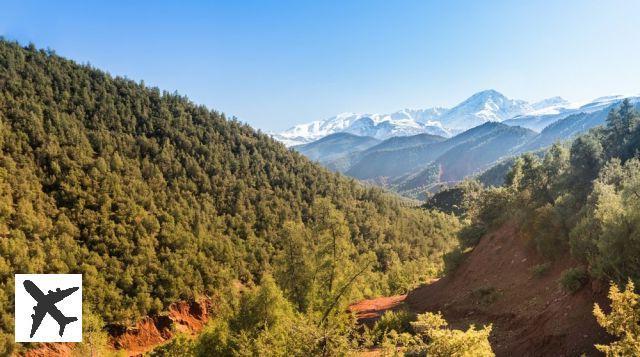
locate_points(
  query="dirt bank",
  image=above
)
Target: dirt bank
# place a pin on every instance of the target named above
(181, 317)
(531, 315)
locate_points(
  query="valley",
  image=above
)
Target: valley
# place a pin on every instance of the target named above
(197, 235)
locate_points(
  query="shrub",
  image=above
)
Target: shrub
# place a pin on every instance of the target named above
(398, 321)
(442, 341)
(452, 260)
(180, 345)
(485, 295)
(470, 235)
(621, 322)
(573, 279)
(492, 206)
(540, 270)
(546, 225)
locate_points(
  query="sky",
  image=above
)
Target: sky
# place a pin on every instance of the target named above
(274, 64)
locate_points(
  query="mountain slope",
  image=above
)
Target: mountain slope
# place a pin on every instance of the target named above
(455, 158)
(571, 126)
(344, 156)
(393, 163)
(406, 164)
(155, 199)
(530, 315)
(334, 146)
(480, 152)
(402, 142)
(380, 126)
(540, 119)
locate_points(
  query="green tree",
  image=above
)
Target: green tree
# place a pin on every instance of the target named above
(587, 157)
(295, 271)
(605, 236)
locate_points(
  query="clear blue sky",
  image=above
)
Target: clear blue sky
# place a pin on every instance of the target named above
(277, 63)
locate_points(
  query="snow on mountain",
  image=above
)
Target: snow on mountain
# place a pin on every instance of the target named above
(541, 118)
(488, 105)
(380, 126)
(482, 107)
(550, 103)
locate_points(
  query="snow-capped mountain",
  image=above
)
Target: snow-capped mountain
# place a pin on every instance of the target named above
(482, 107)
(380, 126)
(559, 109)
(550, 103)
(488, 105)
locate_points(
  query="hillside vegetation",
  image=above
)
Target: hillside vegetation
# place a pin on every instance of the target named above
(155, 199)
(580, 199)
(578, 206)
(534, 263)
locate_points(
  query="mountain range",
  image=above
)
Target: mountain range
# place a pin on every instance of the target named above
(405, 122)
(414, 164)
(484, 106)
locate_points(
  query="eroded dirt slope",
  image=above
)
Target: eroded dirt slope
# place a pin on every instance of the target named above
(531, 316)
(149, 332)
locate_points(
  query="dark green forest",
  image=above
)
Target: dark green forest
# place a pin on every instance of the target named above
(155, 199)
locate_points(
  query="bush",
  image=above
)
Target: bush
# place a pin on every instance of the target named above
(546, 225)
(540, 270)
(493, 204)
(442, 341)
(452, 260)
(180, 345)
(433, 338)
(621, 322)
(573, 279)
(398, 321)
(470, 235)
(485, 295)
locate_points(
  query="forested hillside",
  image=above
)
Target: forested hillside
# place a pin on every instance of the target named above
(155, 199)
(534, 264)
(580, 198)
(576, 205)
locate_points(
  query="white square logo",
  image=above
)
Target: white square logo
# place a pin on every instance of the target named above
(48, 308)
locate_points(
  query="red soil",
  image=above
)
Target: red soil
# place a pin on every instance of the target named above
(368, 311)
(531, 316)
(182, 317)
(51, 349)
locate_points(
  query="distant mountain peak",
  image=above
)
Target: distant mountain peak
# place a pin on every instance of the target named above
(405, 122)
(485, 106)
(487, 93)
(550, 102)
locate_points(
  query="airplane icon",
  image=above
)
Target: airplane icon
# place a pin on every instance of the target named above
(47, 304)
